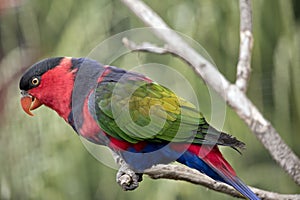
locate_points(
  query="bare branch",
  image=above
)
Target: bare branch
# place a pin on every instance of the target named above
(234, 97)
(179, 172)
(150, 48)
(146, 47)
(129, 180)
(245, 16)
(246, 44)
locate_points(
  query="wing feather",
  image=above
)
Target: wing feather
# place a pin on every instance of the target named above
(135, 109)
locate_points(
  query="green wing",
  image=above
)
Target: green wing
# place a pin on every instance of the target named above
(134, 109)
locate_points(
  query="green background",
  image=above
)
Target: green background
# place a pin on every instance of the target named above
(42, 158)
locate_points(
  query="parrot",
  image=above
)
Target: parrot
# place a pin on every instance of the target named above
(142, 121)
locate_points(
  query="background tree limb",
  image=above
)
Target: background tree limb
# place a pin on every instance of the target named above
(246, 43)
(232, 94)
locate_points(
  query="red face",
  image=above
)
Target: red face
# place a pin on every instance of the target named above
(52, 88)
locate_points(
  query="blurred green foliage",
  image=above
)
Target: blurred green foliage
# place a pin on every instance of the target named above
(42, 158)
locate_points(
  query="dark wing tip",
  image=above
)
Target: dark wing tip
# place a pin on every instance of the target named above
(229, 140)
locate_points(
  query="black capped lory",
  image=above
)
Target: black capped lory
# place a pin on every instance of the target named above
(142, 121)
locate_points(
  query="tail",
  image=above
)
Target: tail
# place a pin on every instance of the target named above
(209, 160)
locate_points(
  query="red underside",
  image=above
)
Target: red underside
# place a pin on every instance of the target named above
(212, 156)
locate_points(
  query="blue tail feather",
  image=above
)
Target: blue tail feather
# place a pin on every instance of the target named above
(193, 161)
(141, 160)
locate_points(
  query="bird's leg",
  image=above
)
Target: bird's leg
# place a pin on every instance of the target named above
(126, 177)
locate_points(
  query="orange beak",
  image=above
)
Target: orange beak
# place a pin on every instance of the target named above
(30, 103)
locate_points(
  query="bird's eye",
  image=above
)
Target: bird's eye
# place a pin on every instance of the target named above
(35, 81)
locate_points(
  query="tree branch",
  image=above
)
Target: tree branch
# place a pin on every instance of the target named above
(246, 44)
(129, 180)
(232, 94)
(179, 172)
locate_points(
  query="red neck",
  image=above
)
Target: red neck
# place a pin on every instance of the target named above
(55, 90)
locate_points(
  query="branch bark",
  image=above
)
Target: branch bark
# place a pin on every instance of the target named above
(129, 180)
(246, 44)
(232, 94)
(178, 172)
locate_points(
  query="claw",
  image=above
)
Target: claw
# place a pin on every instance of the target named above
(128, 179)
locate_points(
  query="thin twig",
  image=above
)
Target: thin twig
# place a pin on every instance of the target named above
(234, 97)
(246, 44)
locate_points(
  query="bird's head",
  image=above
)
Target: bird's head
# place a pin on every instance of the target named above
(49, 82)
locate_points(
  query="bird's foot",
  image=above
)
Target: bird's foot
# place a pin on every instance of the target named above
(128, 179)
